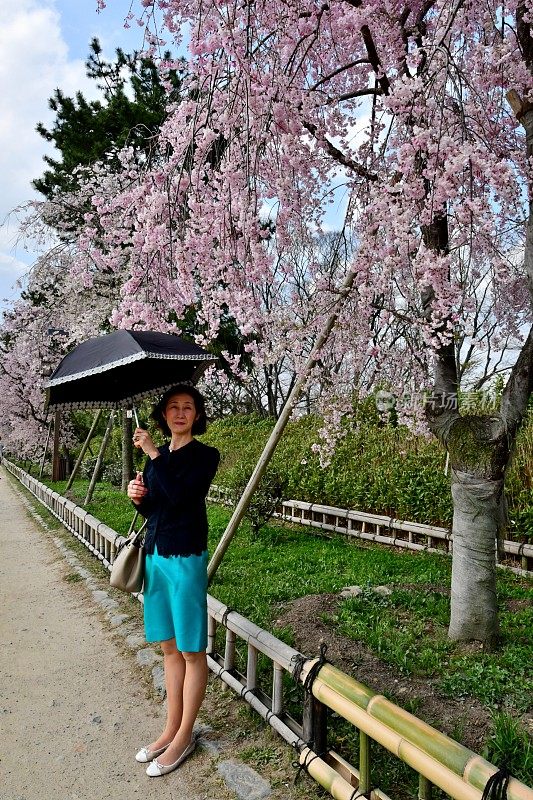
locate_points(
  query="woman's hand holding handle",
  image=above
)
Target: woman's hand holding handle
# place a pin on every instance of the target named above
(136, 488)
(143, 440)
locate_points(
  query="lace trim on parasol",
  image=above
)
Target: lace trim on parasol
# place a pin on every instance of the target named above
(118, 404)
(127, 360)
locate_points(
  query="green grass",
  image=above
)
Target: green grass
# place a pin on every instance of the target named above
(406, 629)
(283, 563)
(108, 503)
(509, 744)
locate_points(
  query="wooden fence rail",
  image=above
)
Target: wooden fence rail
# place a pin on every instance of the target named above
(438, 760)
(382, 529)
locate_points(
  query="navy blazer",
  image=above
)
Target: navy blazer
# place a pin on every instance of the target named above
(178, 483)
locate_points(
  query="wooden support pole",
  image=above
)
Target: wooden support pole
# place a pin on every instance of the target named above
(84, 449)
(251, 668)
(275, 436)
(315, 723)
(103, 446)
(277, 689)
(229, 651)
(211, 635)
(127, 449)
(55, 453)
(43, 459)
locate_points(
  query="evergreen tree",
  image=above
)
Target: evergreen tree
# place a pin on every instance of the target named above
(133, 106)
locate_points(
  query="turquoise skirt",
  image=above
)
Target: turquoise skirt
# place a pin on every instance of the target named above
(175, 600)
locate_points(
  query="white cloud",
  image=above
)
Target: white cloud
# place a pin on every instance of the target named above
(11, 270)
(34, 61)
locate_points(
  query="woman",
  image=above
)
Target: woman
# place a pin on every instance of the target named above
(171, 495)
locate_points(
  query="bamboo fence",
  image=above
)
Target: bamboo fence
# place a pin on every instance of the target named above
(439, 760)
(382, 529)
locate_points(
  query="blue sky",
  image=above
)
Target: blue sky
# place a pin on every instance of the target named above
(43, 45)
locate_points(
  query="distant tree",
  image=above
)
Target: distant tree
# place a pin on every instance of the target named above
(133, 106)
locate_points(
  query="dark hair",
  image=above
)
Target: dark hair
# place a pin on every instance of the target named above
(199, 425)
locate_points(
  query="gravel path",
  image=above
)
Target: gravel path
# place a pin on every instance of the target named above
(72, 711)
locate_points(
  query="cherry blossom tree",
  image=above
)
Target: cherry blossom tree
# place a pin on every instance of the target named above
(397, 116)
(53, 314)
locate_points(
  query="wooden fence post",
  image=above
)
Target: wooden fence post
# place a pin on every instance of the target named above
(55, 452)
(47, 442)
(314, 724)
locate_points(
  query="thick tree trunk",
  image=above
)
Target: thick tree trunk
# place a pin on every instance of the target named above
(477, 507)
(127, 450)
(479, 453)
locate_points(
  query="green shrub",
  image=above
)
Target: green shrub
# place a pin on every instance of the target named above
(381, 469)
(266, 498)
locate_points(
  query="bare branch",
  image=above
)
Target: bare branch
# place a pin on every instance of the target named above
(519, 388)
(338, 155)
(360, 93)
(372, 51)
(335, 72)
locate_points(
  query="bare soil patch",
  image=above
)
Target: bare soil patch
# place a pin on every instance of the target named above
(465, 719)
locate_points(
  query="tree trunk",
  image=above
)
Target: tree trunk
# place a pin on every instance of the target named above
(127, 450)
(477, 507)
(479, 452)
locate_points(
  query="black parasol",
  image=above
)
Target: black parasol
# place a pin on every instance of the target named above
(117, 370)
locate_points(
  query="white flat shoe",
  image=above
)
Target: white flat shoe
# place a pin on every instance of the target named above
(155, 769)
(145, 755)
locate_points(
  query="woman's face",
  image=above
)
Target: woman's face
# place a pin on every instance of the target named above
(180, 414)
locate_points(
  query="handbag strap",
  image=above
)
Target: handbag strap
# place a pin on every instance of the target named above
(140, 531)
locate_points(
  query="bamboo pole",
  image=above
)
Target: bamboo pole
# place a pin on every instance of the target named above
(275, 436)
(439, 774)
(103, 446)
(327, 777)
(364, 763)
(83, 449)
(441, 760)
(424, 788)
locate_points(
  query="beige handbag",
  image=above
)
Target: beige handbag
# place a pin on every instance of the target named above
(127, 570)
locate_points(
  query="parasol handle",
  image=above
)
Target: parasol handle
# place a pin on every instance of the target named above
(136, 417)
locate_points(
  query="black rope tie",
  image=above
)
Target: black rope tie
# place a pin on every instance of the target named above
(315, 669)
(245, 691)
(356, 794)
(299, 661)
(224, 620)
(300, 766)
(496, 786)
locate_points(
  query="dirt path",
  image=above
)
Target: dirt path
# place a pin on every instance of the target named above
(71, 710)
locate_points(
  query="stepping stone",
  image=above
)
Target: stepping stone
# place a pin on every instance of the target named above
(147, 657)
(243, 780)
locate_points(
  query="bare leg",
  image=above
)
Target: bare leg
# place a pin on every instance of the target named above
(174, 665)
(194, 687)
